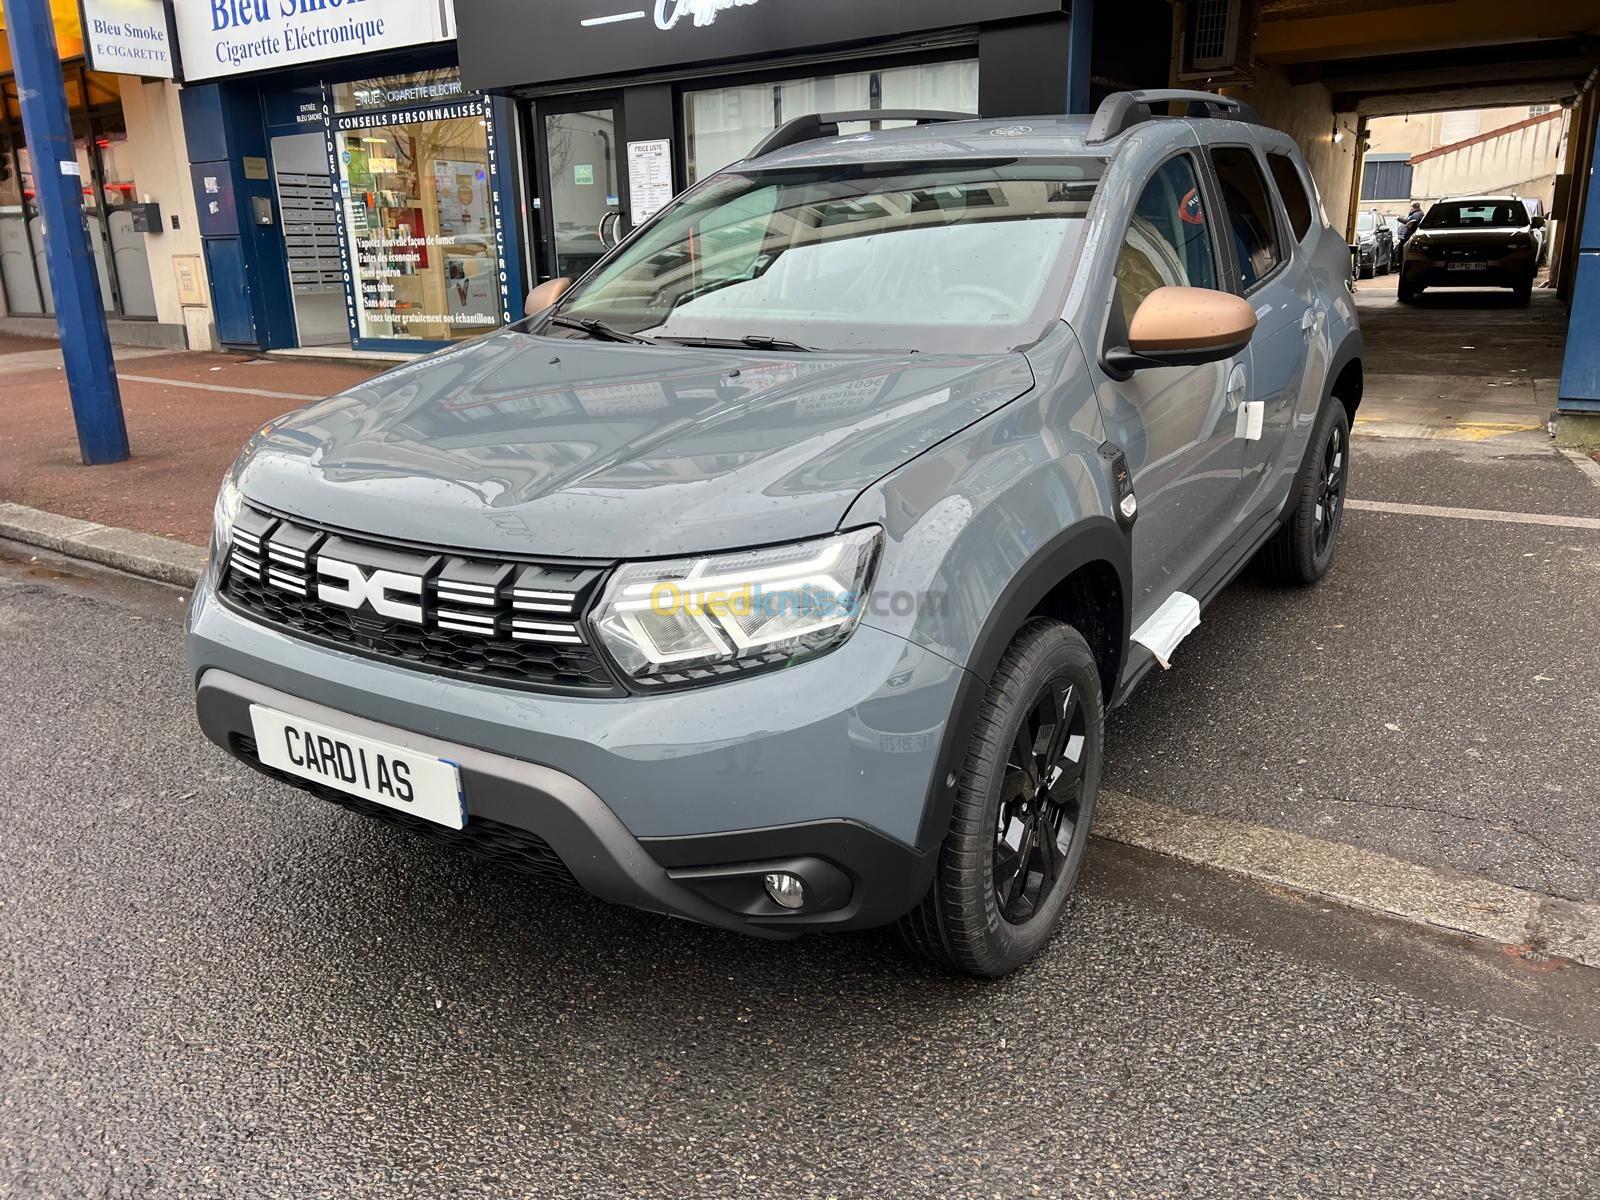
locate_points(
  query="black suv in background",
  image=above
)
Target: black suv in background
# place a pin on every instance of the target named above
(1473, 241)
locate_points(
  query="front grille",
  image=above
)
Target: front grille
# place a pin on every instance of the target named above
(504, 845)
(514, 623)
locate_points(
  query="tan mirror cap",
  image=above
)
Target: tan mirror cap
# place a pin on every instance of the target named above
(1188, 318)
(546, 294)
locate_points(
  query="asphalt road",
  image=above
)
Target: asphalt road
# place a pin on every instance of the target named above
(1433, 697)
(211, 985)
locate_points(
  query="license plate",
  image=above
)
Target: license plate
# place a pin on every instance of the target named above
(1469, 266)
(385, 774)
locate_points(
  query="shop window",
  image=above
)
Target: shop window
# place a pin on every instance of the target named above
(420, 219)
(17, 265)
(725, 124)
(116, 165)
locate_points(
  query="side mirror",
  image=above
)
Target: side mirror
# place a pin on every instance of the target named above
(1183, 327)
(546, 294)
(1537, 222)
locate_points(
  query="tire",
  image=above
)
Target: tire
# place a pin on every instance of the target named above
(1407, 293)
(1524, 293)
(1366, 272)
(1302, 551)
(982, 916)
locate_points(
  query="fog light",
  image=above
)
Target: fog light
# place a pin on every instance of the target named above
(786, 890)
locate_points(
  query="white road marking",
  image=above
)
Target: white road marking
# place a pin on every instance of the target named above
(216, 387)
(1475, 514)
(1360, 878)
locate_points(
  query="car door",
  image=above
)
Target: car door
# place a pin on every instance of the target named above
(1274, 278)
(1175, 424)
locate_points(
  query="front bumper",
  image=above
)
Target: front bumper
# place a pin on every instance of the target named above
(1507, 271)
(676, 803)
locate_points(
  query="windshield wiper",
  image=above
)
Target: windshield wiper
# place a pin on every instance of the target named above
(600, 331)
(754, 341)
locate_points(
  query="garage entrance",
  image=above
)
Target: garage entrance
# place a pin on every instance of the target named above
(1329, 71)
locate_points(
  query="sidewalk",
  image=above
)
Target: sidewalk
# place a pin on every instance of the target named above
(188, 414)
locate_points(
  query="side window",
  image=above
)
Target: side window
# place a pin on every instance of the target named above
(1293, 190)
(1168, 243)
(1244, 194)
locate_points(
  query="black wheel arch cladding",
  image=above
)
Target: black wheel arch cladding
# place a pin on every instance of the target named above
(1094, 541)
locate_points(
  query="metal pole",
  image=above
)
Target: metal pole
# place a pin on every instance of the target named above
(58, 191)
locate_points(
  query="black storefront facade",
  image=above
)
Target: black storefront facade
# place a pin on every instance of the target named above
(622, 103)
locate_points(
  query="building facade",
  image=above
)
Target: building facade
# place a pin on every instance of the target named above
(138, 208)
(620, 106)
(349, 188)
(1426, 156)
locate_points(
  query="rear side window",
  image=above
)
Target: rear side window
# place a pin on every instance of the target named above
(1168, 243)
(1244, 194)
(1293, 190)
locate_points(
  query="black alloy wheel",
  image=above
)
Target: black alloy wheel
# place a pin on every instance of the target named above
(1040, 823)
(1303, 549)
(1330, 489)
(1023, 807)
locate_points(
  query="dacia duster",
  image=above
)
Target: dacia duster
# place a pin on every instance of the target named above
(779, 573)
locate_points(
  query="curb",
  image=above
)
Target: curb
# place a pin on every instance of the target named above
(1358, 878)
(1583, 462)
(144, 554)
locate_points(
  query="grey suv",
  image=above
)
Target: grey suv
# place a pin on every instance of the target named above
(779, 574)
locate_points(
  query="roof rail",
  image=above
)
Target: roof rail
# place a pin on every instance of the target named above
(826, 125)
(1121, 111)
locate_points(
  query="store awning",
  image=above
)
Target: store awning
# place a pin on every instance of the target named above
(69, 32)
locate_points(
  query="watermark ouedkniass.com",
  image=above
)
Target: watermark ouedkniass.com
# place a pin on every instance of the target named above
(753, 600)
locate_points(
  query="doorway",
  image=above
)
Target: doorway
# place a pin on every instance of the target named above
(583, 208)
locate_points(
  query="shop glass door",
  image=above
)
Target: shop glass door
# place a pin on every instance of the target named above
(583, 211)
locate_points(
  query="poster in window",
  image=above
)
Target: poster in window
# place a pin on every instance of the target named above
(462, 189)
(469, 285)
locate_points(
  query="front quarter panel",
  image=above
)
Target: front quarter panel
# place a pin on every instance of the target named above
(986, 508)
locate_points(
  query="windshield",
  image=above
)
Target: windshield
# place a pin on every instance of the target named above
(967, 258)
(1476, 214)
(1366, 222)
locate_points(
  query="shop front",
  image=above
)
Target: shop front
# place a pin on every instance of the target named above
(348, 185)
(622, 105)
(127, 161)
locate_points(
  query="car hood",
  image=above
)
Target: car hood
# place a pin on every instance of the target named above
(521, 444)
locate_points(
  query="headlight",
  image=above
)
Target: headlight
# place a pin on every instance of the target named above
(700, 618)
(223, 515)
